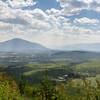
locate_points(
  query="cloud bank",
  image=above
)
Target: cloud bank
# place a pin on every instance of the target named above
(52, 27)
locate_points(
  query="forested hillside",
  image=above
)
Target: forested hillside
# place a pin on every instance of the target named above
(9, 90)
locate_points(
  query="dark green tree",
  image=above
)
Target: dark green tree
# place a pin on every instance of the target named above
(21, 85)
(48, 91)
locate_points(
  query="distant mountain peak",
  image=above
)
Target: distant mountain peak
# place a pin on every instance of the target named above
(22, 46)
(18, 39)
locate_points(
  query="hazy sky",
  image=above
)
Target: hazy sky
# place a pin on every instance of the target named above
(53, 23)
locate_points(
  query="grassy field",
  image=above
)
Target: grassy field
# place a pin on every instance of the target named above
(88, 67)
(42, 67)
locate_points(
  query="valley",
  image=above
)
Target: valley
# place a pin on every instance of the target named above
(32, 72)
(75, 64)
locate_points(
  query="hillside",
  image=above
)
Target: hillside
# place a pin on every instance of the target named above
(92, 67)
(75, 56)
(22, 46)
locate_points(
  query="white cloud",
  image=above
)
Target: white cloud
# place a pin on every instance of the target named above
(53, 11)
(86, 20)
(71, 7)
(28, 18)
(20, 3)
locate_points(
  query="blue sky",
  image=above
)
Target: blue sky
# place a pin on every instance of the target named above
(53, 23)
(47, 4)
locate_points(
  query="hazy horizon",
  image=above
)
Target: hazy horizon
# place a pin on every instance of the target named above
(94, 47)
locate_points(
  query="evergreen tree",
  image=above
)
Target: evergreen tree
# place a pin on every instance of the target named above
(21, 85)
(48, 91)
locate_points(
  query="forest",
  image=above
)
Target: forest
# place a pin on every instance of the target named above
(10, 90)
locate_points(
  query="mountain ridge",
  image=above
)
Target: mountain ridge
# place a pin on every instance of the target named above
(19, 45)
(22, 46)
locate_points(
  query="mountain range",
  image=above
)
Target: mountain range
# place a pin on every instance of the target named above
(94, 47)
(23, 46)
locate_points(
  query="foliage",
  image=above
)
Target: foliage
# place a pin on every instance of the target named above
(8, 89)
(21, 86)
(48, 91)
(64, 91)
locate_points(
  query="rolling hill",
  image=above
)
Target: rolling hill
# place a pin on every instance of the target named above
(92, 67)
(75, 56)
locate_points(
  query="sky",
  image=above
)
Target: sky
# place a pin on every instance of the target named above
(52, 23)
